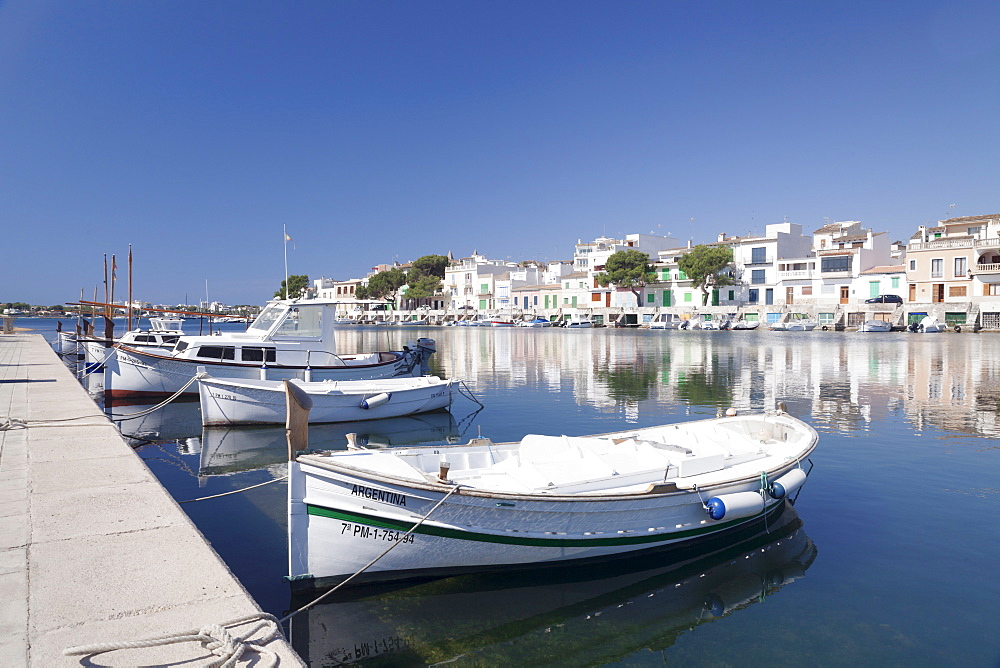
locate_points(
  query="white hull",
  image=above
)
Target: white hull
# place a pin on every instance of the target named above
(513, 508)
(745, 325)
(875, 326)
(226, 401)
(135, 374)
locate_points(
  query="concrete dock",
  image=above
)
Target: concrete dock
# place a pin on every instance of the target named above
(92, 548)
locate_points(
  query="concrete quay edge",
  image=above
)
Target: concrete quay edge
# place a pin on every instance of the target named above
(93, 549)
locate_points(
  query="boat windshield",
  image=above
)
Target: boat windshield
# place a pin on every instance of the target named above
(267, 318)
(302, 321)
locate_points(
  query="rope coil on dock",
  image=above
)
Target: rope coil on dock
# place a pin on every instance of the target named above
(216, 638)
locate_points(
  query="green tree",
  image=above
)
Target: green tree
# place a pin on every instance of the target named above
(297, 283)
(383, 285)
(628, 269)
(423, 287)
(428, 265)
(704, 267)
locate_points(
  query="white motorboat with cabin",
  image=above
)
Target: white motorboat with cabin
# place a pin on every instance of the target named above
(665, 321)
(577, 321)
(742, 325)
(542, 501)
(928, 325)
(236, 401)
(289, 339)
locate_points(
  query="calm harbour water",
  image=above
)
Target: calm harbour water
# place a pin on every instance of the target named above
(890, 560)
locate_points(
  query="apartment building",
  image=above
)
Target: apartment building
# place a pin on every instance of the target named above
(956, 261)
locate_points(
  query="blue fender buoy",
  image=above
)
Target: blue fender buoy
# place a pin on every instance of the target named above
(787, 484)
(734, 506)
(375, 400)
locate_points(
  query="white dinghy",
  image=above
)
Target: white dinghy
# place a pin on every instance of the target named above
(543, 501)
(234, 401)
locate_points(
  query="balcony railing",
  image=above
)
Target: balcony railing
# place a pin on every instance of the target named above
(993, 242)
(985, 269)
(800, 273)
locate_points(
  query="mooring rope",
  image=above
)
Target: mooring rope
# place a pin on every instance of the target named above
(216, 638)
(100, 365)
(372, 562)
(235, 491)
(129, 416)
(7, 423)
(468, 393)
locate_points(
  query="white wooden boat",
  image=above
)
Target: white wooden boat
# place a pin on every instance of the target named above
(535, 322)
(289, 339)
(745, 325)
(162, 335)
(235, 401)
(875, 326)
(542, 501)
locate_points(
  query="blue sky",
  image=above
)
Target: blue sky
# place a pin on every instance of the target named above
(378, 131)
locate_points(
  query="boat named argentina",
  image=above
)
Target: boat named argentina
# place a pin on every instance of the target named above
(541, 501)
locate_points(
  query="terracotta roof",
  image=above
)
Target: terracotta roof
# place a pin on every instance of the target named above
(832, 227)
(890, 269)
(852, 237)
(575, 274)
(964, 219)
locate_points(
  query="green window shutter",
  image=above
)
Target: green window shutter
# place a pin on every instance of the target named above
(650, 298)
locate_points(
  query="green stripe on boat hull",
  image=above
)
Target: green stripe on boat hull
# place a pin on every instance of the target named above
(513, 539)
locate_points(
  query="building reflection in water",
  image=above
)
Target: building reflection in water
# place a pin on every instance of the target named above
(845, 381)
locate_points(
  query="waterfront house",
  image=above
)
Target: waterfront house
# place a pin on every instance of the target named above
(470, 282)
(757, 262)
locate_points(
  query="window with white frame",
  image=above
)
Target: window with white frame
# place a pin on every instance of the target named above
(937, 268)
(960, 266)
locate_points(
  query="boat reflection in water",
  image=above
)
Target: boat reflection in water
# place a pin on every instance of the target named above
(177, 421)
(564, 615)
(224, 451)
(235, 449)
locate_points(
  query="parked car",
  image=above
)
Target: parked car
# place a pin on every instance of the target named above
(885, 299)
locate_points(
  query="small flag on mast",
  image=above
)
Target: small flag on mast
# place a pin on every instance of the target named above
(287, 238)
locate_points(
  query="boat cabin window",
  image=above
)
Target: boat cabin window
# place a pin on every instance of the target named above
(217, 352)
(144, 338)
(302, 321)
(256, 354)
(271, 314)
(181, 345)
(171, 339)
